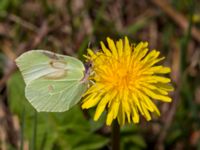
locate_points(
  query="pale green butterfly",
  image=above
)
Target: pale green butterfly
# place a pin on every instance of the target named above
(54, 82)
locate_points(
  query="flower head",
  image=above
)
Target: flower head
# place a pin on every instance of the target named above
(125, 81)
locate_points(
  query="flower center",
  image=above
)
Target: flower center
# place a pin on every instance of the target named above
(122, 76)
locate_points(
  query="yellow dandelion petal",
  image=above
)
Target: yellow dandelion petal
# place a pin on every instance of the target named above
(160, 69)
(138, 48)
(165, 87)
(127, 48)
(102, 104)
(121, 116)
(155, 79)
(151, 62)
(125, 81)
(100, 108)
(146, 113)
(141, 54)
(91, 53)
(154, 87)
(112, 47)
(93, 89)
(156, 96)
(120, 47)
(137, 102)
(113, 112)
(91, 101)
(152, 55)
(105, 50)
(135, 115)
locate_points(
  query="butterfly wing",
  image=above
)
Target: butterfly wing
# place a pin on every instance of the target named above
(37, 63)
(53, 81)
(54, 96)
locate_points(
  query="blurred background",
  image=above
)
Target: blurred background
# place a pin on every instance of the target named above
(70, 27)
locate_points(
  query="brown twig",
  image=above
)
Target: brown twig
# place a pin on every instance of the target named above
(22, 22)
(42, 32)
(177, 17)
(168, 120)
(11, 134)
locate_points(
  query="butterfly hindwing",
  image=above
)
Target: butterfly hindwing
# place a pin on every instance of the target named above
(54, 96)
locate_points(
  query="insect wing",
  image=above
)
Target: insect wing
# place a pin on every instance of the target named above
(53, 81)
(38, 63)
(54, 96)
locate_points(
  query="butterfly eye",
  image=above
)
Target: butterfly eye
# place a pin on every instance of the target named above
(90, 64)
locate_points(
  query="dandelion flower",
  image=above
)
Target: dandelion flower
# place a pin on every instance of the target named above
(125, 81)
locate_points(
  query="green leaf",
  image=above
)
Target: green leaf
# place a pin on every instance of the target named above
(131, 139)
(16, 95)
(87, 141)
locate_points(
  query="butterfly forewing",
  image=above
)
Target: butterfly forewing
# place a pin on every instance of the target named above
(37, 63)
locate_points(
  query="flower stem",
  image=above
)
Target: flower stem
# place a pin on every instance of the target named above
(115, 141)
(34, 131)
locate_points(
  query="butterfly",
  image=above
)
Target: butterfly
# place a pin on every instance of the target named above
(54, 82)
